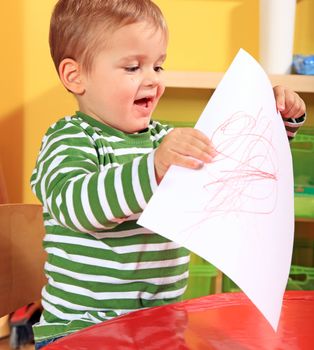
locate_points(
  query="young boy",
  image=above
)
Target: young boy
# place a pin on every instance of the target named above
(97, 169)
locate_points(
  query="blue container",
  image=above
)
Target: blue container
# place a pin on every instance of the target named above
(303, 64)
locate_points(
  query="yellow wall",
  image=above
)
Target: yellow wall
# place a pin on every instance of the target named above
(12, 95)
(205, 35)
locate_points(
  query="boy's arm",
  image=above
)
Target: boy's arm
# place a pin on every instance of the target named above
(83, 196)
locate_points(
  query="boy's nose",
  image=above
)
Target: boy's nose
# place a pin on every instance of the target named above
(151, 78)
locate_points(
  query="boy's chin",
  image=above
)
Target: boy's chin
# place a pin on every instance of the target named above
(142, 125)
(133, 129)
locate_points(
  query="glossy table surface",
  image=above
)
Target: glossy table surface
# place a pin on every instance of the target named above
(219, 321)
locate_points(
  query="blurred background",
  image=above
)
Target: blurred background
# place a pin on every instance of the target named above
(205, 35)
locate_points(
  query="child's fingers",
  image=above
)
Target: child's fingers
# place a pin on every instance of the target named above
(295, 106)
(197, 134)
(186, 161)
(279, 92)
(187, 134)
(291, 104)
(163, 160)
(185, 147)
(301, 111)
(190, 149)
(195, 148)
(188, 140)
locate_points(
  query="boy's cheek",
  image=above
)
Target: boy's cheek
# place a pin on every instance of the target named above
(160, 91)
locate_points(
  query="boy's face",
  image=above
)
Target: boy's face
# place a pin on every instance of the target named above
(125, 83)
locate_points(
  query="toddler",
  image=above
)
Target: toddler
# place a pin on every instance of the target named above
(98, 168)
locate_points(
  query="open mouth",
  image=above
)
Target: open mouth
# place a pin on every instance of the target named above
(144, 102)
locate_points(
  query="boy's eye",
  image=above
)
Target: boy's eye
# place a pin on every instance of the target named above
(158, 69)
(132, 69)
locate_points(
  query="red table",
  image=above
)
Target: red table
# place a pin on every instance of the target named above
(220, 321)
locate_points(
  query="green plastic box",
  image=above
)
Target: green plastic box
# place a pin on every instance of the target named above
(228, 286)
(303, 252)
(202, 277)
(301, 278)
(302, 148)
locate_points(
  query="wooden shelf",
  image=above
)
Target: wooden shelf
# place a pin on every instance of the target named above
(306, 220)
(304, 228)
(193, 80)
(210, 80)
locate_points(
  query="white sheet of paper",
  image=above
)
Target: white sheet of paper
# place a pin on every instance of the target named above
(236, 212)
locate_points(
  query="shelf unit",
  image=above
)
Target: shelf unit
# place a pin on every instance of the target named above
(210, 80)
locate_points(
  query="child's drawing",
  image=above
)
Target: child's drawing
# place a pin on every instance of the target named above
(237, 211)
(245, 141)
(247, 182)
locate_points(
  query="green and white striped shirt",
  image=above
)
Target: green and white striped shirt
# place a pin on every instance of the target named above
(93, 182)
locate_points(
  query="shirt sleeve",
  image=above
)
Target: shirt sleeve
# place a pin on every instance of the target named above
(293, 124)
(78, 195)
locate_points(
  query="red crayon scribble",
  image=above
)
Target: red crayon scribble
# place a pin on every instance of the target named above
(248, 182)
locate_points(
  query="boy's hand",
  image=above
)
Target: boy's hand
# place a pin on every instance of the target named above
(289, 103)
(186, 147)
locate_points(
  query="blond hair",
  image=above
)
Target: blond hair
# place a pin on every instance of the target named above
(77, 27)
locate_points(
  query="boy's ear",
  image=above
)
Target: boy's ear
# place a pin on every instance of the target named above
(70, 75)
